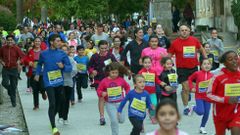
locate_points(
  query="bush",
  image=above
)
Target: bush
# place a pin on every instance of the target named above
(7, 21)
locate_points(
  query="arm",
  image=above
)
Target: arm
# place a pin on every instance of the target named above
(124, 53)
(101, 89)
(148, 102)
(190, 80)
(124, 101)
(202, 50)
(39, 65)
(67, 64)
(126, 86)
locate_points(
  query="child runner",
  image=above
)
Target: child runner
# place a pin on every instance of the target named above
(139, 100)
(150, 84)
(167, 116)
(113, 89)
(206, 46)
(169, 76)
(222, 92)
(202, 79)
(97, 64)
(82, 75)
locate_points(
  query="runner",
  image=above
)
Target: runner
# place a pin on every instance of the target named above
(54, 62)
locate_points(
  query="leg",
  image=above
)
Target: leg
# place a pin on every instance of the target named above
(35, 88)
(13, 87)
(185, 93)
(153, 98)
(67, 100)
(220, 127)
(101, 106)
(52, 105)
(137, 125)
(207, 107)
(158, 93)
(73, 90)
(79, 86)
(112, 113)
(199, 108)
(6, 80)
(235, 131)
(60, 98)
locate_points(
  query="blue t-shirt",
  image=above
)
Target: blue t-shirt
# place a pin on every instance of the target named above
(82, 63)
(138, 102)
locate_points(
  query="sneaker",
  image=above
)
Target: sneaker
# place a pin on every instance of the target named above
(65, 122)
(35, 108)
(102, 121)
(185, 111)
(72, 103)
(60, 121)
(202, 130)
(55, 131)
(190, 112)
(29, 90)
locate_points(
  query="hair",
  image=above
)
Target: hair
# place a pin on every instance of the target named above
(136, 77)
(204, 44)
(80, 47)
(165, 102)
(10, 36)
(213, 29)
(223, 57)
(152, 36)
(117, 66)
(37, 38)
(146, 57)
(102, 42)
(64, 45)
(201, 62)
(184, 24)
(165, 59)
(136, 31)
(100, 25)
(52, 38)
(71, 46)
(116, 37)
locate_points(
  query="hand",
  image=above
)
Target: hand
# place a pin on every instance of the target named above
(3, 63)
(163, 83)
(94, 72)
(233, 100)
(60, 65)
(193, 90)
(36, 78)
(31, 64)
(140, 61)
(104, 94)
(118, 115)
(168, 88)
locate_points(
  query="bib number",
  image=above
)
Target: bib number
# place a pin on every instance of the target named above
(81, 67)
(173, 80)
(149, 79)
(232, 89)
(203, 86)
(138, 107)
(55, 76)
(107, 62)
(189, 51)
(114, 93)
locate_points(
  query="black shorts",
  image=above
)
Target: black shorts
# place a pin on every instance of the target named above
(184, 73)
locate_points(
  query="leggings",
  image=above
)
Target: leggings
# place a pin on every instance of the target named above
(64, 107)
(137, 125)
(55, 98)
(202, 108)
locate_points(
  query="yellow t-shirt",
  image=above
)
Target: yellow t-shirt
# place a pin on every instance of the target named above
(90, 52)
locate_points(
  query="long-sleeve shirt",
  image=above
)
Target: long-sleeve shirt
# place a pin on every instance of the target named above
(82, 63)
(69, 75)
(135, 52)
(202, 79)
(217, 47)
(138, 102)
(156, 56)
(170, 78)
(99, 63)
(219, 92)
(151, 79)
(116, 89)
(10, 55)
(52, 74)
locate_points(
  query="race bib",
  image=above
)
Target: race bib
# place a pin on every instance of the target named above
(81, 67)
(203, 86)
(189, 51)
(232, 89)
(55, 76)
(138, 107)
(96, 42)
(173, 80)
(107, 62)
(114, 93)
(149, 79)
(35, 64)
(216, 54)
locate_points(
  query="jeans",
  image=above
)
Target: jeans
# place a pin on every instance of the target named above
(55, 98)
(112, 113)
(137, 125)
(202, 108)
(10, 82)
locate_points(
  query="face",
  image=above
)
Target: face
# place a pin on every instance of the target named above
(140, 83)
(71, 36)
(37, 42)
(113, 74)
(58, 28)
(167, 117)
(89, 44)
(56, 43)
(103, 48)
(65, 49)
(72, 50)
(147, 63)
(117, 42)
(153, 43)
(231, 62)
(139, 34)
(214, 34)
(206, 65)
(81, 52)
(168, 65)
(207, 48)
(100, 29)
(150, 31)
(184, 32)
(10, 41)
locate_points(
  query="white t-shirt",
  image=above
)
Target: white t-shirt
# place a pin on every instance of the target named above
(179, 132)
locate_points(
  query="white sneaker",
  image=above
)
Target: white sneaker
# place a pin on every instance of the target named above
(202, 130)
(190, 112)
(60, 121)
(65, 122)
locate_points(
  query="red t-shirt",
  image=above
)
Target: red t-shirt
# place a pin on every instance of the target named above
(185, 51)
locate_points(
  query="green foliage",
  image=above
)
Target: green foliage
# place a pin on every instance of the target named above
(8, 21)
(235, 9)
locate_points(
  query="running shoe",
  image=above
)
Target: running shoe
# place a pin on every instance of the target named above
(202, 130)
(55, 131)
(185, 111)
(190, 112)
(102, 121)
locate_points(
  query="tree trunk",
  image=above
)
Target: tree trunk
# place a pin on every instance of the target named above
(19, 4)
(44, 14)
(238, 34)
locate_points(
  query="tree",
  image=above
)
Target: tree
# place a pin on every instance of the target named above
(235, 9)
(19, 4)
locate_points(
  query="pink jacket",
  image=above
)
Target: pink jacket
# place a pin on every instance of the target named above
(156, 56)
